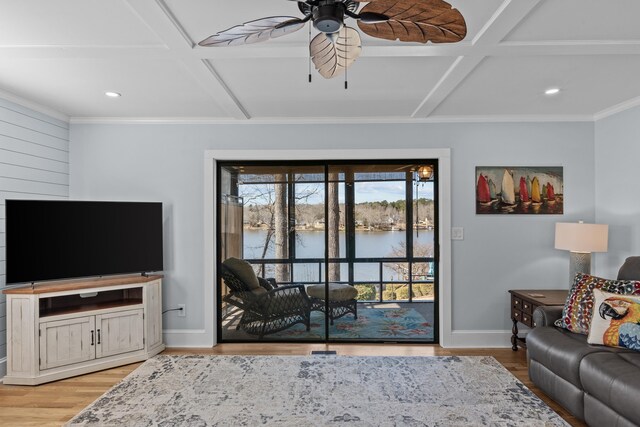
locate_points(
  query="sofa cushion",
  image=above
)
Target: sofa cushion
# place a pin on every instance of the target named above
(557, 388)
(600, 414)
(614, 380)
(243, 271)
(616, 320)
(578, 309)
(630, 270)
(561, 351)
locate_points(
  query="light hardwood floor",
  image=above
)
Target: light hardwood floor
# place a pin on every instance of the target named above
(55, 403)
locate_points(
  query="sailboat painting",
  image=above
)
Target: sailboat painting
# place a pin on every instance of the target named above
(534, 190)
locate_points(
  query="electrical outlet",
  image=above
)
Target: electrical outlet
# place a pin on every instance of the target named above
(183, 312)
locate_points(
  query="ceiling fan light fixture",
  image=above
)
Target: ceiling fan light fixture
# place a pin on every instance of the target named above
(328, 18)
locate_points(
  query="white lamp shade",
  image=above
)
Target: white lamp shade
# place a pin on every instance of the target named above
(580, 237)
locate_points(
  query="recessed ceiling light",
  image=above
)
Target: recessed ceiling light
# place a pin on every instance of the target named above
(552, 91)
(113, 94)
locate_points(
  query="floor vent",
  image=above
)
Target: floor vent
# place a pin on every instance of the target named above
(323, 353)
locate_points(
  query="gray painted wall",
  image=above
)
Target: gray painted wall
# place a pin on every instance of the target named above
(34, 164)
(617, 154)
(164, 162)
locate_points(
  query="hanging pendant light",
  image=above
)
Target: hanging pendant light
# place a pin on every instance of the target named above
(425, 173)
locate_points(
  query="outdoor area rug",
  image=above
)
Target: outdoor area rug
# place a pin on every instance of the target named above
(299, 391)
(372, 323)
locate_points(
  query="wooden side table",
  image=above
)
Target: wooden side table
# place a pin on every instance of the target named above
(524, 302)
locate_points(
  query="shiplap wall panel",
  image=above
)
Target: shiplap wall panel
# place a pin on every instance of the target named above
(35, 115)
(19, 119)
(34, 164)
(19, 146)
(23, 172)
(33, 187)
(32, 137)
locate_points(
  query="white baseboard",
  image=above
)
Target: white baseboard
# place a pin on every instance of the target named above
(198, 338)
(194, 338)
(480, 339)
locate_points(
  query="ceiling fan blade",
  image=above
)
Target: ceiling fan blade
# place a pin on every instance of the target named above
(368, 17)
(293, 22)
(331, 59)
(373, 18)
(415, 21)
(253, 32)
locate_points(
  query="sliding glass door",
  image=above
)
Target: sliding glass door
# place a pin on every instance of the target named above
(349, 250)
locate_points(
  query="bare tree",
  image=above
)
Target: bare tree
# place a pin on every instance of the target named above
(281, 223)
(420, 250)
(333, 226)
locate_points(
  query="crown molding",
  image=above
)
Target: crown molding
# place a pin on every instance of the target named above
(618, 108)
(332, 120)
(34, 106)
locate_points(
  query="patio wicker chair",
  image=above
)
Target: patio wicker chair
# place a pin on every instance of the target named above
(267, 308)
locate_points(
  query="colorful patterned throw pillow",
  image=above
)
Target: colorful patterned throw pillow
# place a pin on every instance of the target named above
(616, 321)
(578, 309)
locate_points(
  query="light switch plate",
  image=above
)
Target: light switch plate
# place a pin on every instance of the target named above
(457, 233)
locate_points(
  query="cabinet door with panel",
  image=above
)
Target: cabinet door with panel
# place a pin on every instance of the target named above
(119, 332)
(64, 342)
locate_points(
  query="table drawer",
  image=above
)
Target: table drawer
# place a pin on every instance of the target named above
(527, 307)
(516, 303)
(524, 318)
(516, 314)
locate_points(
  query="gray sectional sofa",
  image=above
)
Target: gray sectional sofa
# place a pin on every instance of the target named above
(597, 384)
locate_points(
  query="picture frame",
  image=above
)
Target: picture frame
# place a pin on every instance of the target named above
(519, 190)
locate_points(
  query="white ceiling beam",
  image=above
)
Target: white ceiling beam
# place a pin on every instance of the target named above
(85, 52)
(266, 50)
(568, 47)
(506, 18)
(161, 21)
(151, 52)
(571, 47)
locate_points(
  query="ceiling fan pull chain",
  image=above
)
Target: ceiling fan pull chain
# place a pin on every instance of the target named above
(346, 64)
(309, 53)
(346, 83)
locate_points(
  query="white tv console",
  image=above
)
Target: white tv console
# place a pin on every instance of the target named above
(64, 329)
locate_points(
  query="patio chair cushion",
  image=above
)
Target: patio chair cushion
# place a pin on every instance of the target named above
(337, 292)
(266, 284)
(243, 271)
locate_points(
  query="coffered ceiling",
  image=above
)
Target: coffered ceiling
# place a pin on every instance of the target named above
(65, 54)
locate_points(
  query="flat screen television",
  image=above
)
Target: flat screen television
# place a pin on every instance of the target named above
(51, 239)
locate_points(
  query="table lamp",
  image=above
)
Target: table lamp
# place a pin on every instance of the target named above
(580, 240)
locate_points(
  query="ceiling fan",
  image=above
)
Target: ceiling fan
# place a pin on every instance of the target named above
(337, 45)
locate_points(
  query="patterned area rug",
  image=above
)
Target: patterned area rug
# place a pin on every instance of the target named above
(372, 323)
(318, 391)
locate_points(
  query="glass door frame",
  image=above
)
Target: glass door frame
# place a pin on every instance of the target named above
(349, 239)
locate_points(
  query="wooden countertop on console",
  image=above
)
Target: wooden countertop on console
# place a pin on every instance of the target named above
(80, 284)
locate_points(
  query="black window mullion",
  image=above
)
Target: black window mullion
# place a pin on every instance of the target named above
(350, 221)
(291, 216)
(409, 229)
(326, 252)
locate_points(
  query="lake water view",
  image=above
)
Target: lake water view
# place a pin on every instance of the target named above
(310, 244)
